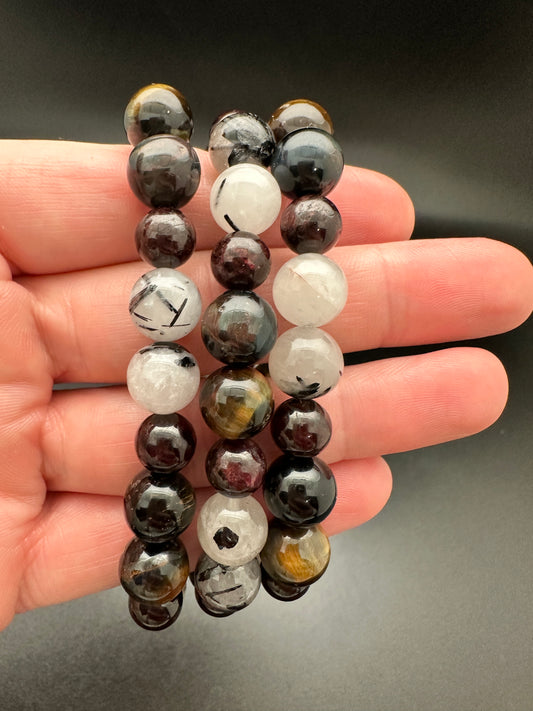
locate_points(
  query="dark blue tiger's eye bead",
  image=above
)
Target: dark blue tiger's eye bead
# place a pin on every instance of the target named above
(157, 109)
(240, 137)
(240, 261)
(301, 427)
(299, 113)
(155, 617)
(154, 573)
(165, 238)
(310, 224)
(165, 443)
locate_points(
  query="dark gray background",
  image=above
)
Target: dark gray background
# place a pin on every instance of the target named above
(428, 606)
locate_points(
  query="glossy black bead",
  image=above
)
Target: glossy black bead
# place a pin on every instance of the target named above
(307, 162)
(154, 573)
(310, 224)
(301, 427)
(165, 443)
(165, 238)
(300, 491)
(240, 261)
(240, 137)
(155, 617)
(235, 467)
(282, 591)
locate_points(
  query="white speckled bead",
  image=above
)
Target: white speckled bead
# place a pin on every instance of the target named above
(165, 305)
(245, 197)
(163, 378)
(306, 362)
(231, 530)
(310, 290)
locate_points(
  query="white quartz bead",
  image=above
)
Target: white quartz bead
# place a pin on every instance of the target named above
(245, 197)
(310, 290)
(165, 305)
(305, 362)
(232, 530)
(163, 378)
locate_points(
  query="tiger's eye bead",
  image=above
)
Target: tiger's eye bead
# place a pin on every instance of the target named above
(164, 171)
(235, 467)
(295, 556)
(240, 137)
(310, 224)
(155, 617)
(154, 573)
(225, 589)
(307, 162)
(282, 591)
(240, 261)
(165, 443)
(236, 402)
(299, 113)
(165, 238)
(301, 427)
(239, 327)
(156, 109)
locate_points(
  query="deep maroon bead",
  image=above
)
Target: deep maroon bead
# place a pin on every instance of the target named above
(240, 261)
(310, 224)
(301, 427)
(235, 467)
(165, 238)
(165, 442)
(155, 617)
(154, 573)
(282, 591)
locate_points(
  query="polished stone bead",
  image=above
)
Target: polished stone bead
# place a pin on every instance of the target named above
(295, 556)
(225, 589)
(301, 427)
(240, 137)
(163, 377)
(300, 491)
(310, 290)
(164, 171)
(151, 572)
(310, 224)
(155, 617)
(239, 327)
(157, 109)
(165, 238)
(236, 402)
(159, 509)
(282, 591)
(208, 609)
(165, 305)
(307, 162)
(235, 467)
(232, 531)
(306, 362)
(165, 443)
(245, 197)
(240, 261)
(299, 113)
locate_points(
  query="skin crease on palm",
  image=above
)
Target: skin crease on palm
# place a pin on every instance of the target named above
(67, 219)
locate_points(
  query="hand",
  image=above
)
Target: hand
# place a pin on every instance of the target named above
(67, 264)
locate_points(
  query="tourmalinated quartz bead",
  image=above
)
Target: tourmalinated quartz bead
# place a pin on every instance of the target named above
(163, 377)
(282, 591)
(310, 224)
(155, 617)
(232, 531)
(165, 443)
(165, 305)
(156, 109)
(295, 556)
(300, 491)
(165, 238)
(310, 290)
(225, 589)
(240, 137)
(301, 427)
(239, 327)
(236, 402)
(235, 467)
(164, 171)
(307, 162)
(240, 261)
(299, 113)
(159, 510)
(306, 362)
(154, 573)
(245, 197)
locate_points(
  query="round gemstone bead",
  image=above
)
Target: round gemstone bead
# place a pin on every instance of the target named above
(235, 467)
(165, 305)
(310, 290)
(301, 427)
(299, 113)
(245, 197)
(156, 109)
(240, 261)
(239, 327)
(310, 224)
(305, 362)
(163, 377)
(282, 591)
(295, 556)
(152, 572)
(164, 171)
(165, 443)
(165, 238)
(232, 531)
(225, 589)
(236, 402)
(240, 137)
(300, 491)
(155, 617)
(158, 510)
(307, 162)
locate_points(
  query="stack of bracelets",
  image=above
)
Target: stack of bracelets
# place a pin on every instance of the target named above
(239, 328)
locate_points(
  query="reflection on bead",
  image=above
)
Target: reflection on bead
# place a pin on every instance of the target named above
(295, 556)
(240, 137)
(226, 589)
(154, 572)
(299, 113)
(157, 109)
(165, 238)
(155, 617)
(208, 609)
(310, 224)
(301, 427)
(282, 591)
(235, 467)
(165, 442)
(240, 261)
